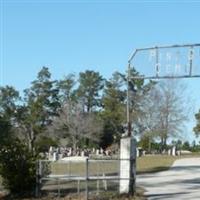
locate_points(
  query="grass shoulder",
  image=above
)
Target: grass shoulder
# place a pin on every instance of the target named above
(156, 163)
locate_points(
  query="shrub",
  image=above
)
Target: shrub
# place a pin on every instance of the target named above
(43, 144)
(17, 167)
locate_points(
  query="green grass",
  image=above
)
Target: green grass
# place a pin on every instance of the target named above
(79, 169)
(145, 164)
(156, 163)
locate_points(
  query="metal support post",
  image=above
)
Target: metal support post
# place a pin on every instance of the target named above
(86, 179)
(128, 102)
(38, 178)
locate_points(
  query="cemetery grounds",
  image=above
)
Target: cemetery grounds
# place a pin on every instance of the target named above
(145, 164)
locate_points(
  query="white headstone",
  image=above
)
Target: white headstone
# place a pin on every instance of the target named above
(50, 149)
(55, 156)
(50, 157)
(82, 153)
(173, 151)
(169, 152)
(101, 151)
(70, 151)
(93, 150)
(137, 152)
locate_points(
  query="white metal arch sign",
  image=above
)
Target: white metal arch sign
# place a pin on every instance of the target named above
(163, 62)
(175, 61)
(160, 62)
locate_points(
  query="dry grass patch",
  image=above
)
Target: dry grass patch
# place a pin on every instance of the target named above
(156, 163)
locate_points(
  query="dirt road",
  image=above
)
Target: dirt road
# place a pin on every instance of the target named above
(180, 182)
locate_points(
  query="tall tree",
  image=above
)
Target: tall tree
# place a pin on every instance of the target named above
(41, 106)
(113, 113)
(9, 98)
(166, 110)
(196, 129)
(5, 130)
(75, 125)
(173, 109)
(150, 119)
(66, 88)
(137, 91)
(90, 85)
(44, 93)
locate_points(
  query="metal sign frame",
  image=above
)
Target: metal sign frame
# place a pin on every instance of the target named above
(157, 48)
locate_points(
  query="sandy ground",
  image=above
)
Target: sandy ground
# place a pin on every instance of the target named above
(180, 182)
(74, 159)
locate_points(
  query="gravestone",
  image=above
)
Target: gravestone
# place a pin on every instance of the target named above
(174, 151)
(50, 149)
(70, 152)
(82, 153)
(50, 156)
(55, 156)
(101, 151)
(137, 152)
(93, 150)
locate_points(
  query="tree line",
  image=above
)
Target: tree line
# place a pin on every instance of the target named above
(87, 110)
(91, 110)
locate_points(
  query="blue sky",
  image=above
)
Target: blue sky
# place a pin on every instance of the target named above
(72, 36)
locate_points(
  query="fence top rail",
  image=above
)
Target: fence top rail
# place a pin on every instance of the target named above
(89, 160)
(83, 178)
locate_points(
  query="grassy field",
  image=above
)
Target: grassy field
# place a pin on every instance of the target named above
(145, 164)
(97, 167)
(157, 163)
(154, 163)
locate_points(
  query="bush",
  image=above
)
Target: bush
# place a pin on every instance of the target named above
(43, 144)
(17, 167)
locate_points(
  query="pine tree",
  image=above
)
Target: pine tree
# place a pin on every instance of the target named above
(90, 85)
(113, 113)
(41, 105)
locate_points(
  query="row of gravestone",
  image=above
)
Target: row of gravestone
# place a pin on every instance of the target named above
(171, 152)
(62, 152)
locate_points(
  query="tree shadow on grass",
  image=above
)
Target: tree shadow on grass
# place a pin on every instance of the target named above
(153, 170)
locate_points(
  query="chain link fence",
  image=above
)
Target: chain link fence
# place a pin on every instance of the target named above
(86, 178)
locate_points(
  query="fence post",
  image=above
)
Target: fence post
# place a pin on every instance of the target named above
(58, 181)
(98, 174)
(86, 179)
(105, 182)
(38, 177)
(78, 186)
(97, 187)
(127, 165)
